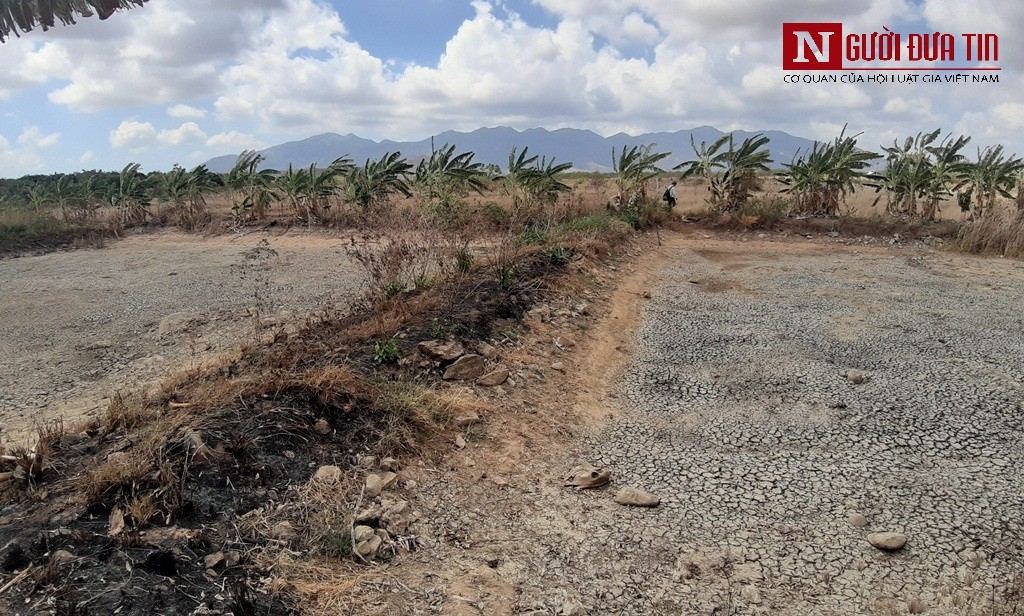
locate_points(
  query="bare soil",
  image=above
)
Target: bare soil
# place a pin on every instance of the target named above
(79, 325)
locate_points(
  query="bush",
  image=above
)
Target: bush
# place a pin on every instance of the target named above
(386, 351)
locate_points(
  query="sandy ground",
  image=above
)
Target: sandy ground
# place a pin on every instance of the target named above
(79, 325)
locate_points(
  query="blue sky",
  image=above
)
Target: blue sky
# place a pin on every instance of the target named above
(160, 87)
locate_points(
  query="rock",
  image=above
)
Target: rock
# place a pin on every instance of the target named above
(366, 461)
(201, 453)
(467, 420)
(288, 453)
(232, 558)
(565, 341)
(62, 559)
(636, 498)
(460, 441)
(177, 322)
(283, 531)
(71, 440)
(367, 541)
(559, 366)
(322, 427)
(441, 351)
(538, 314)
(396, 516)
(889, 542)
(588, 477)
(211, 561)
(390, 464)
(571, 607)
(857, 520)
(327, 474)
(855, 376)
(375, 484)
(494, 378)
(115, 523)
(487, 351)
(466, 368)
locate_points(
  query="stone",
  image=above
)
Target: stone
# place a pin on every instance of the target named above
(857, 520)
(177, 322)
(487, 350)
(283, 531)
(889, 542)
(856, 377)
(366, 460)
(559, 366)
(375, 484)
(71, 440)
(467, 420)
(390, 464)
(327, 475)
(211, 561)
(466, 368)
(460, 441)
(588, 477)
(441, 351)
(494, 378)
(634, 497)
(538, 314)
(367, 544)
(322, 427)
(61, 559)
(565, 341)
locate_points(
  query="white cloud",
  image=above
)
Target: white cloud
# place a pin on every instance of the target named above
(290, 68)
(34, 139)
(133, 135)
(233, 142)
(87, 157)
(25, 156)
(189, 132)
(186, 112)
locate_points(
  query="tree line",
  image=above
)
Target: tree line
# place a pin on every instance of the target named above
(914, 177)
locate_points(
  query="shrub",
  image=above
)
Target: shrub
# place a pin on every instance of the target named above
(386, 351)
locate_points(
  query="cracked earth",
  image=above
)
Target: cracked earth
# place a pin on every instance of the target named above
(784, 401)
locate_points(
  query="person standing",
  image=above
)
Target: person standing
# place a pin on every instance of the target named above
(670, 196)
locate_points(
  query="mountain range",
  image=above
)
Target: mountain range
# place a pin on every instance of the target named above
(585, 149)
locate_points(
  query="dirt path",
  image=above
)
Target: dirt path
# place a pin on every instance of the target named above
(745, 410)
(78, 325)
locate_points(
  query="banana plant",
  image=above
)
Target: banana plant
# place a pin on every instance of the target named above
(131, 195)
(821, 179)
(921, 173)
(443, 180)
(633, 168)
(18, 16)
(994, 175)
(254, 187)
(377, 180)
(730, 174)
(532, 180)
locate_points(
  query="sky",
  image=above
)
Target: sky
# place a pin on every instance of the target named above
(182, 81)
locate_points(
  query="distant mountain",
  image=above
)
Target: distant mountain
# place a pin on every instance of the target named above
(585, 149)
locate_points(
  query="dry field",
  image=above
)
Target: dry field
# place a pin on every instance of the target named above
(79, 325)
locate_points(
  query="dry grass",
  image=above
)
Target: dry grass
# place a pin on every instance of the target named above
(998, 232)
